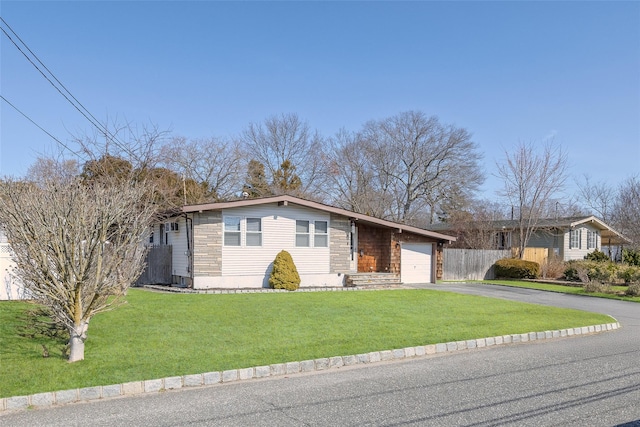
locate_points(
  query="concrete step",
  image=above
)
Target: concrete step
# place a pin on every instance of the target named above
(370, 279)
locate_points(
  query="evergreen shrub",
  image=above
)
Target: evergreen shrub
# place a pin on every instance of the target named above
(510, 268)
(629, 274)
(284, 274)
(597, 256)
(631, 257)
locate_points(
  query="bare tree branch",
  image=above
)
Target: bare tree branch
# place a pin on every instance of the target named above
(76, 247)
(531, 180)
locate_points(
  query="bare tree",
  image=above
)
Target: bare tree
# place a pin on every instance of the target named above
(598, 197)
(627, 210)
(474, 227)
(531, 180)
(353, 178)
(421, 164)
(214, 163)
(287, 140)
(137, 145)
(44, 168)
(76, 246)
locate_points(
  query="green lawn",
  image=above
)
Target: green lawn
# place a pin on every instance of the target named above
(158, 335)
(575, 290)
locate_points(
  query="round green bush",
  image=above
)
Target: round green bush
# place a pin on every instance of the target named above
(284, 274)
(510, 268)
(597, 256)
(633, 290)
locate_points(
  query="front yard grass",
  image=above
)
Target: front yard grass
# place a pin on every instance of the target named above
(575, 290)
(159, 335)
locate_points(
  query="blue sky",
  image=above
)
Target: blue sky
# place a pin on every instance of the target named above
(505, 71)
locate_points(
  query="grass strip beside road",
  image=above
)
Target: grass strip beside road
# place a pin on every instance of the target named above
(574, 290)
(159, 335)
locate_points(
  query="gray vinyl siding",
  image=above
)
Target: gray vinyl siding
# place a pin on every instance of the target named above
(541, 239)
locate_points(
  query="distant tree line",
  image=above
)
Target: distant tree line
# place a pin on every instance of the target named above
(409, 168)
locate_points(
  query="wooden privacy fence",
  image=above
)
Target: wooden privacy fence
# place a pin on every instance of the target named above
(538, 255)
(158, 268)
(471, 264)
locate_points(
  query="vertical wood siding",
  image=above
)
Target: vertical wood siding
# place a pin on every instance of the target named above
(471, 264)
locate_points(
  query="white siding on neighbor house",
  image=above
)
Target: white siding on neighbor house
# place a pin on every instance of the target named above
(278, 233)
(11, 287)
(581, 251)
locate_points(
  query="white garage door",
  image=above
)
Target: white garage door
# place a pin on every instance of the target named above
(415, 262)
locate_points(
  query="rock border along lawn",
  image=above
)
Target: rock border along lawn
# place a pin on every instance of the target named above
(87, 394)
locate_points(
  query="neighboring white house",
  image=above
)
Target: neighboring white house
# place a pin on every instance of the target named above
(568, 238)
(233, 244)
(10, 288)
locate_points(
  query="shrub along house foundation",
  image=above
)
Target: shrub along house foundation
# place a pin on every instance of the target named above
(233, 244)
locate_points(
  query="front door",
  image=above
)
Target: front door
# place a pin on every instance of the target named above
(353, 242)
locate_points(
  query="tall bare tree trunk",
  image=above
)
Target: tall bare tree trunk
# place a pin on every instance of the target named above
(77, 337)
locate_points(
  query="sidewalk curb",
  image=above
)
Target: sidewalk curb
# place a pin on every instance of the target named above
(88, 394)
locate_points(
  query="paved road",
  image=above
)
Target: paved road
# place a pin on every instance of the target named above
(578, 381)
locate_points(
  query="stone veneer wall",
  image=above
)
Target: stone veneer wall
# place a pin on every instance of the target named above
(207, 244)
(339, 244)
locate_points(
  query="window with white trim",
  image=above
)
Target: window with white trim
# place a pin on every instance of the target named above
(321, 234)
(503, 240)
(254, 232)
(592, 239)
(575, 239)
(302, 233)
(232, 231)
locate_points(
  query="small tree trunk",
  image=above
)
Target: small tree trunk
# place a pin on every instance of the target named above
(77, 336)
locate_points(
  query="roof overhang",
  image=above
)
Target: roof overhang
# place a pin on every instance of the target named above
(609, 236)
(285, 200)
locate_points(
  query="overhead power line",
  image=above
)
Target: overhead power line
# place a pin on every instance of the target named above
(38, 126)
(61, 88)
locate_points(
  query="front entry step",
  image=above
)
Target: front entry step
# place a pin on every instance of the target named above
(372, 279)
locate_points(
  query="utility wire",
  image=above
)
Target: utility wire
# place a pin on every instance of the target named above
(38, 126)
(77, 104)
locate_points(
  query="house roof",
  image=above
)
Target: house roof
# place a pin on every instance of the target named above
(286, 199)
(608, 234)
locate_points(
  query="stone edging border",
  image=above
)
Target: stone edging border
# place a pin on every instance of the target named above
(56, 398)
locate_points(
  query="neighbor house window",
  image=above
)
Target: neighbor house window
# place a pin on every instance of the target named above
(503, 239)
(302, 233)
(232, 231)
(575, 238)
(592, 239)
(321, 234)
(254, 232)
